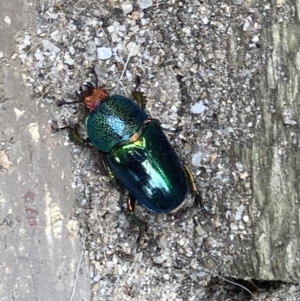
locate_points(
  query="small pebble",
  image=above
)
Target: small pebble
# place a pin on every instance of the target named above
(127, 7)
(104, 53)
(144, 3)
(7, 20)
(198, 108)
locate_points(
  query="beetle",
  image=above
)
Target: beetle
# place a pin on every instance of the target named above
(136, 151)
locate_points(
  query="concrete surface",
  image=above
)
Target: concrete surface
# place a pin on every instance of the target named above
(40, 251)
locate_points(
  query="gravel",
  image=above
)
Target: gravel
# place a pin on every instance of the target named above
(196, 60)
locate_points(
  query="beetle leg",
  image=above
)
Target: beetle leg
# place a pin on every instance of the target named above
(131, 206)
(139, 98)
(114, 182)
(131, 203)
(193, 188)
(55, 129)
(141, 101)
(121, 198)
(60, 102)
(142, 225)
(74, 136)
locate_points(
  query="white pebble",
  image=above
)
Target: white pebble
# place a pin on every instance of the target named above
(7, 20)
(69, 61)
(27, 39)
(246, 25)
(91, 47)
(205, 20)
(198, 108)
(97, 278)
(50, 46)
(233, 227)
(39, 56)
(144, 3)
(246, 218)
(239, 211)
(110, 29)
(126, 7)
(56, 35)
(104, 53)
(196, 159)
(132, 48)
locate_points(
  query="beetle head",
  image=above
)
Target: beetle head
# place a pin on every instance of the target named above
(92, 96)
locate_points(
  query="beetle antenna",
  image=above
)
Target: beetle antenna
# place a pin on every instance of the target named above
(96, 77)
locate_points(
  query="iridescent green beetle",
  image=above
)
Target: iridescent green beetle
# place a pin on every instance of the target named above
(136, 152)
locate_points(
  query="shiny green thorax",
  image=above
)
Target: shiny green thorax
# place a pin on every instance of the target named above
(113, 122)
